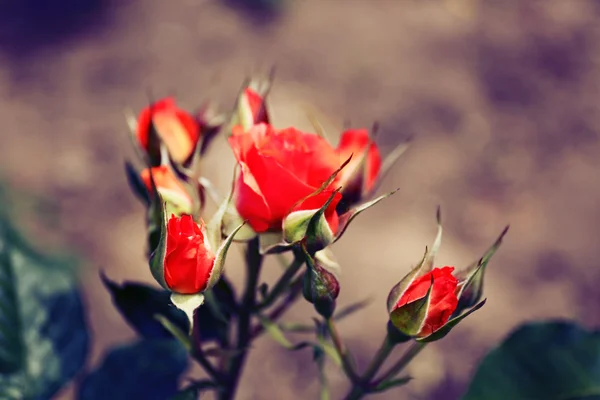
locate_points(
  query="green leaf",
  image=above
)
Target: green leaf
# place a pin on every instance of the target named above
(139, 304)
(192, 392)
(382, 387)
(135, 182)
(43, 336)
(346, 311)
(554, 360)
(148, 369)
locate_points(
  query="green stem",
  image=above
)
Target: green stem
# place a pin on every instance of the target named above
(288, 301)
(410, 353)
(246, 309)
(341, 350)
(382, 354)
(359, 387)
(283, 283)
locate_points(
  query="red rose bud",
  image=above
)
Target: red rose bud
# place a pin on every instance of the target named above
(164, 122)
(189, 260)
(279, 168)
(169, 187)
(252, 105)
(358, 179)
(321, 286)
(427, 304)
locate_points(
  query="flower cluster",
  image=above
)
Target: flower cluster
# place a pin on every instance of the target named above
(292, 191)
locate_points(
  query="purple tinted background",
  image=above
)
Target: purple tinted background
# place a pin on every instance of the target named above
(502, 99)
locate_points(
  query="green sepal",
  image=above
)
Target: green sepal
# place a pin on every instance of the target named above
(221, 254)
(398, 290)
(409, 318)
(389, 161)
(471, 290)
(157, 256)
(309, 226)
(447, 327)
(188, 303)
(429, 262)
(346, 218)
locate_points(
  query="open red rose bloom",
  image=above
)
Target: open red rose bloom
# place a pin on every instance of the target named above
(443, 299)
(281, 167)
(278, 169)
(189, 260)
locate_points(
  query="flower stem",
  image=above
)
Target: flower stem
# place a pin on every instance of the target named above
(347, 363)
(283, 283)
(288, 301)
(246, 309)
(358, 387)
(382, 354)
(410, 353)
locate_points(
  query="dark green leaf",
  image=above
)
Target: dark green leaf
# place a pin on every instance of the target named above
(136, 184)
(149, 369)
(351, 308)
(211, 321)
(43, 335)
(139, 303)
(382, 387)
(546, 360)
(192, 392)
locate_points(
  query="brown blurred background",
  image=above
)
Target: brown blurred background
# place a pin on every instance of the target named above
(502, 98)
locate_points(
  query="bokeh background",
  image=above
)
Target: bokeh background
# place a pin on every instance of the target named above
(501, 97)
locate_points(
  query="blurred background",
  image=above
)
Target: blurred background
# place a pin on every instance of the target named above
(501, 97)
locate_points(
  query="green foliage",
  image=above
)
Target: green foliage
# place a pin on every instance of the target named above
(139, 304)
(148, 369)
(43, 335)
(544, 360)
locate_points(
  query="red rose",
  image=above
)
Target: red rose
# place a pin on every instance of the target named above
(278, 169)
(189, 261)
(443, 301)
(169, 187)
(178, 130)
(359, 177)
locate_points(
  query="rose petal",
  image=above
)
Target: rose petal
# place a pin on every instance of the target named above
(249, 201)
(279, 187)
(145, 118)
(355, 142)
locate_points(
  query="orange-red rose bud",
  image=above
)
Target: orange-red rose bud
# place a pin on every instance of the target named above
(169, 187)
(177, 129)
(189, 260)
(359, 177)
(256, 106)
(279, 168)
(442, 302)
